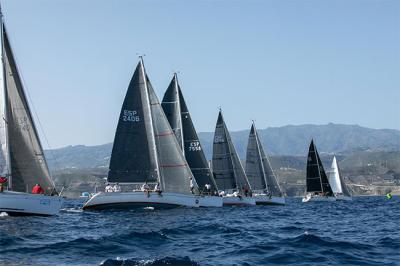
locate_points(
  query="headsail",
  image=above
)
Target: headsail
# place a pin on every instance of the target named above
(174, 170)
(172, 109)
(227, 168)
(178, 115)
(27, 161)
(335, 179)
(258, 168)
(133, 158)
(317, 180)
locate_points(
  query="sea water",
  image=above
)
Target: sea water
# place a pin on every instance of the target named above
(365, 231)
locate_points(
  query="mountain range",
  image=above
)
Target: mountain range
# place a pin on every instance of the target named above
(277, 141)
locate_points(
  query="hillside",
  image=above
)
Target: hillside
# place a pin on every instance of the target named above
(369, 158)
(287, 140)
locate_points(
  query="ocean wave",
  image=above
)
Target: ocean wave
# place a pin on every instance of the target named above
(185, 261)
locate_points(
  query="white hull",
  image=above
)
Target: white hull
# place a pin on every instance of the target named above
(343, 198)
(139, 199)
(210, 201)
(17, 203)
(238, 201)
(266, 200)
(310, 198)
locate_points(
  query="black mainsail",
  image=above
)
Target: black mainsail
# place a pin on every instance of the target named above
(258, 168)
(226, 165)
(145, 147)
(317, 181)
(178, 115)
(23, 159)
(133, 158)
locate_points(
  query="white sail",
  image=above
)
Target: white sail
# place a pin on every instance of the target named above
(334, 178)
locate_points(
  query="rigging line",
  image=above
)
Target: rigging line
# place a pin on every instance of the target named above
(34, 110)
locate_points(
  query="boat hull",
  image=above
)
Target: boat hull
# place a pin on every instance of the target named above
(139, 199)
(266, 200)
(310, 198)
(210, 201)
(23, 204)
(238, 201)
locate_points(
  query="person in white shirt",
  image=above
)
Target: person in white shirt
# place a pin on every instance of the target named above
(145, 187)
(117, 188)
(191, 185)
(108, 188)
(208, 189)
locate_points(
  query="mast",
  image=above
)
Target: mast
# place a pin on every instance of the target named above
(148, 109)
(5, 107)
(179, 112)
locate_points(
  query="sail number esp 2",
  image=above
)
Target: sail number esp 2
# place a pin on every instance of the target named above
(194, 146)
(130, 116)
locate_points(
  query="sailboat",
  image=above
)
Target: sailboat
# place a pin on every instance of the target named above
(228, 171)
(22, 161)
(178, 115)
(318, 187)
(145, 153)
(337, 183)
(262, 178)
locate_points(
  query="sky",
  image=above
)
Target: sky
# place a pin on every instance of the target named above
(278, 62)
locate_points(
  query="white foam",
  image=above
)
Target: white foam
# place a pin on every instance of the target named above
(3, 214)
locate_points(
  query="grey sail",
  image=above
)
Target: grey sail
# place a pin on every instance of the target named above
(27, 162)
(174, 171)
(254, 164)
(178, 115)
(172, 109)
(227, 168)
(316, 181)
(133, 158)
(193, 150)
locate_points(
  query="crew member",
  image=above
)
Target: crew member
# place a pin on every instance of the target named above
(37, 189)
(191, 185)
(3, 181)
(117, 188)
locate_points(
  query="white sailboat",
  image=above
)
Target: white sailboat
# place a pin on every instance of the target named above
(145, 152)
(178, 116)
(337, 183)
(22, 161)
(318, 187)
(262, 178)
(227, 169)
